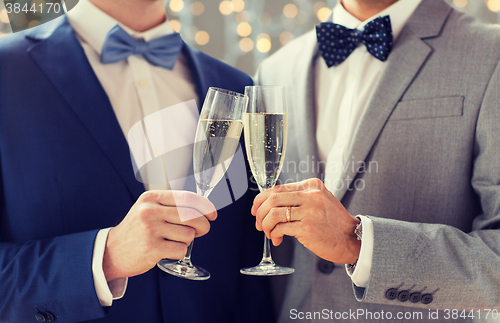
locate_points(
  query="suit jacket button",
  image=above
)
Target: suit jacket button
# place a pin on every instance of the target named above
(49, 316)
(427, 299)
(40, 317)
(391, 294)
(403, 296)
(415, 297)
(324, 266)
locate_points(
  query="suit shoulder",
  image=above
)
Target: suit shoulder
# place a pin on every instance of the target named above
(478, 31)
(14, 43)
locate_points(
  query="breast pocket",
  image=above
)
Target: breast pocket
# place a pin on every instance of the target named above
(428, 108)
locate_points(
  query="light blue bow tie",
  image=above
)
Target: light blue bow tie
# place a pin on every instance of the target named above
(162, 51)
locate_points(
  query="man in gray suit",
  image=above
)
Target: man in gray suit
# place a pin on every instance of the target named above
(409, 143)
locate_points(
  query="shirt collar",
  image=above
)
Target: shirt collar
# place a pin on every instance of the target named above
(399, 13)
(92, 25)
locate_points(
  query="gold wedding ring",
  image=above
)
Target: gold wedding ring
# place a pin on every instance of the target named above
(288, 214)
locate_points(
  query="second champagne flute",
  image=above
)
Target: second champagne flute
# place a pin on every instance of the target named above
(266, 130)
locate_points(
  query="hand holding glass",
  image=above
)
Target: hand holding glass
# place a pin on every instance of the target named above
(266, 129)
(217, 138)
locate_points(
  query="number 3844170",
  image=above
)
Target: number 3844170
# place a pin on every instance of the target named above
(48, 7)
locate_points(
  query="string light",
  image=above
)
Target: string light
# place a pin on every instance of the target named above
(226, 7)
(493, 5)
(318, 5)
(263, 43)
(33, 23)
(197, 8)
(4, 17)
(286, 37)
(246, 44)
(176, 25)
(460, 3)
(323, 13)
(202, 38)
(290, 10)
(238, 5)
(243, 16)
(244, 29)
(176, 5)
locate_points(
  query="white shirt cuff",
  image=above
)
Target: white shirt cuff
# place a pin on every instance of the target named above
(106, 291)
(361, 273)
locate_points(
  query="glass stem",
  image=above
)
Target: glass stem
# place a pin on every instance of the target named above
(267, 260)
(187, 258)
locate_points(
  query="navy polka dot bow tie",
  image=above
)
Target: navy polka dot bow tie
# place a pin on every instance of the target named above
(337, 42)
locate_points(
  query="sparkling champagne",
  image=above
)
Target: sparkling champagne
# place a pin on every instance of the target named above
(214, 149)
(265, 141)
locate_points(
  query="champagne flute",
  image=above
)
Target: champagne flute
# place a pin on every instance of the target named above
(217, 138)
(266, 129)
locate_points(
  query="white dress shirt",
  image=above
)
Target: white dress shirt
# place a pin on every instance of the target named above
(136, 90)
(342, 95)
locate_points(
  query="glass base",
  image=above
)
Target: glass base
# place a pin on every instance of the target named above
(187, 271)
(267, 270)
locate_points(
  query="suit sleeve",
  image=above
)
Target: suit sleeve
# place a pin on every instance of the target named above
(52, 275)
(459, 269)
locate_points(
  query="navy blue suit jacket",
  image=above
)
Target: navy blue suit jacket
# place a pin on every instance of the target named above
(66, 173)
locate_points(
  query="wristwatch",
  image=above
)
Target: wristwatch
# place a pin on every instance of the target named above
(358, 231)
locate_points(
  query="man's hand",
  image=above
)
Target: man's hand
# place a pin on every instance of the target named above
(153, 230)
(318, 220)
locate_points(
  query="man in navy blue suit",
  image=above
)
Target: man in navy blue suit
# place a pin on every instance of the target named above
(79, 236)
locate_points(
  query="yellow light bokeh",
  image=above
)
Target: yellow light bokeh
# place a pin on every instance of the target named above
(319, 5)
(323, 13)
(286, 37)
(176, 25)
(460, 3)
(176, 5)
(197, 8)
(238, 5)
(246, 44)
(242, 16)
(497, 25)
(290, 10)
(263, 45)
(4, 17)
(226, 7)
(202, 38)
(33, 23)
(493, 5)
(264, 36)
(244, 29)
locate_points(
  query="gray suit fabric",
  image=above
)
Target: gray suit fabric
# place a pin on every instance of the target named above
(430, 141)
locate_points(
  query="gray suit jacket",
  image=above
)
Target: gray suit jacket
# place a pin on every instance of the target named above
(431, 135)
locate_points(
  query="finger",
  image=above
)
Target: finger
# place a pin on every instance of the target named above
(182, 199)
(288, 228)
(172, 250)
(176, 232)
(277, 200)
(190, 218)
(307, 185)
(277, 216)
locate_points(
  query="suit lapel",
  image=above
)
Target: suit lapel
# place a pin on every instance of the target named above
(61, 57)
(406, 59)
(302, 104)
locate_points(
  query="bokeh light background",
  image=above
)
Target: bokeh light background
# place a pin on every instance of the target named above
(244, 32)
